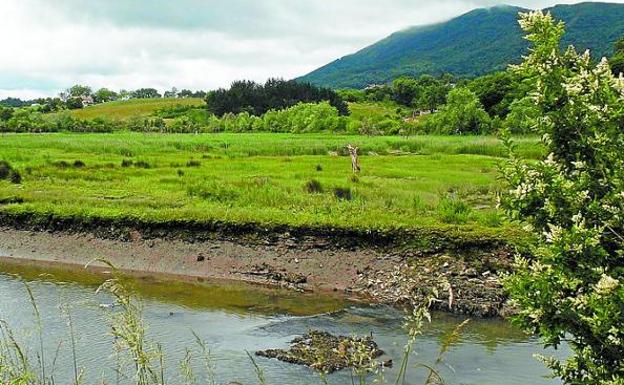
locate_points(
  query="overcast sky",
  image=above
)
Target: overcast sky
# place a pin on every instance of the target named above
(197, 44)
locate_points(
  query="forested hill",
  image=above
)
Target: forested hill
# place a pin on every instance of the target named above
(481, 41)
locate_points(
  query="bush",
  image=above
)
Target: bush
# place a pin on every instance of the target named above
(313, 186)
(193, 163)
(571, 286)
(142, 164)
(15, 177)
(9, 173)
(5, 169)
(126, 163)
(79, 164)
(462, 114)
(343, 193)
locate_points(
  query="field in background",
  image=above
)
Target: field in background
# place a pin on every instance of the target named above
(269, 179)
(132, 108)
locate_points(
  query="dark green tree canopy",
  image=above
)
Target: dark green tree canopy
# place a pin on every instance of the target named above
(146, 93)
(276, 94)
(617, 61)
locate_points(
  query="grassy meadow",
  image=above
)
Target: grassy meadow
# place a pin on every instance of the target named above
(268, 179)
(132, 108)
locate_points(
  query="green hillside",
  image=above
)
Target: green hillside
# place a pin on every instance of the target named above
(476, 43)
(131, 108)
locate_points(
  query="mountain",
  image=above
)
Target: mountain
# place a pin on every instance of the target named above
(481, 41)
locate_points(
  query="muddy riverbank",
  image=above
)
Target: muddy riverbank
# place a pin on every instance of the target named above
(387, 268)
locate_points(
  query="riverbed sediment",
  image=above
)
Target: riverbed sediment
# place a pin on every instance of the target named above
(381, 267)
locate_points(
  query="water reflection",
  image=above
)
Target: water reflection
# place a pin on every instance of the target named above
(235, 318)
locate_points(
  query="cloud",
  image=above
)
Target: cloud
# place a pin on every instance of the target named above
(196, 44)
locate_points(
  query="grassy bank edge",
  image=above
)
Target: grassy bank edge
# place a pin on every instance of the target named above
(423, 239)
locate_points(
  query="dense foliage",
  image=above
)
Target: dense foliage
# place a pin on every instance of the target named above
(571, 288)
(276, 94)
(477, 43)
(617, 61)
(462, 114)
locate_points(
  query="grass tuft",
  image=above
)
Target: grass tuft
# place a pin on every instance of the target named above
(313, 186)
(343, 193)
(7, 172)
(454, 210)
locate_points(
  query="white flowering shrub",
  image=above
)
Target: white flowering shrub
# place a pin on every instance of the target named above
(572, 287)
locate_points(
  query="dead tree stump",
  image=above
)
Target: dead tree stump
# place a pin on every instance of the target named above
(355, 163)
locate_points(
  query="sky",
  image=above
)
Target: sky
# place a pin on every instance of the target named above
(47, 46)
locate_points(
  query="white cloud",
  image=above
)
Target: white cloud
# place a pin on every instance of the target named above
(50, 45)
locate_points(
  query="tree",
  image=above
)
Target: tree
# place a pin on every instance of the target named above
(405, 90)
(617, 61)
(173, 93)
(496, 92)
(146, 93)
(276, 94)
(572, 202)
(78, 91)
(462, 114)
(185, 94)
(15, 102)
(5, 113)
(74, 103)
(104, 95)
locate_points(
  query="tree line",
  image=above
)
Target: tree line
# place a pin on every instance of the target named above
(275, 94)
(79, 96)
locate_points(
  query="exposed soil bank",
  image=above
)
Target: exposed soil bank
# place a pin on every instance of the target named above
(387, 267)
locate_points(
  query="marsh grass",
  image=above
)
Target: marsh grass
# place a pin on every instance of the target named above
(7, 172)
(257, 179)
(313, 186)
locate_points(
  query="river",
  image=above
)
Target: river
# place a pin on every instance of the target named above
(233, 318)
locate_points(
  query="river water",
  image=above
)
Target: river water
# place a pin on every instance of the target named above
(235, 318)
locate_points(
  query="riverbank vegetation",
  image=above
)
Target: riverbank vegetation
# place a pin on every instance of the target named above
(405, 183)
(570, 288)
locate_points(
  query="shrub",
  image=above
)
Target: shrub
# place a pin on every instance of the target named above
(127, 163)
(15, 177)
(142, 164)
(343, 193)
(313, 186)
(5, 169)
(193, 163)
(571, 287)
(462, 114)
(453, 210)
(79, 164)
(9, 173)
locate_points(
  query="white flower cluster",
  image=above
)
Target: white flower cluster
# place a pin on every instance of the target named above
(606, 285)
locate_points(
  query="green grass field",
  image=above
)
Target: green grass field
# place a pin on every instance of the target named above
(418, 182)
(132, 108)
(373, 110)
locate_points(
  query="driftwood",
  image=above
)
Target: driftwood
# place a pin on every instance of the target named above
(355, 163)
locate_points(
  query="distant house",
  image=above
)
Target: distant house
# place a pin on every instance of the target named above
(87, 100)
(373, 87)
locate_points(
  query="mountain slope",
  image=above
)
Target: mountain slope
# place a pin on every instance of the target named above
(481, 41)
